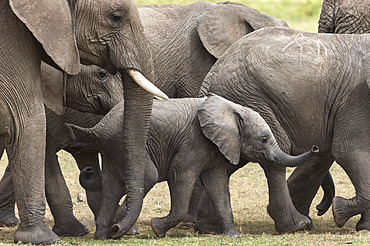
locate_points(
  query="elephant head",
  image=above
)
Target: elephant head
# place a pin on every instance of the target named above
(241, 132)
(93, 90)
(221, 26)
(345, 16)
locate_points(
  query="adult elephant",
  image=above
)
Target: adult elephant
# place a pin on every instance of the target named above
(25, 40)
(310, 88)
(345, 16)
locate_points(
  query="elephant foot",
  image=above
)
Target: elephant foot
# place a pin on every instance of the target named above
(159, 227)
(35, 235)
(133, 231)
(9, 220)
(232, 233)
(364, 223)
(205, 227)
(342, 210)
(73, 228)
(291, 222)
(102, 234)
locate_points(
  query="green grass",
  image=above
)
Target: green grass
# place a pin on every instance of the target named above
(248, 186)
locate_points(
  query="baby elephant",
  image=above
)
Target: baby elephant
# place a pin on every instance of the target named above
(189, 138)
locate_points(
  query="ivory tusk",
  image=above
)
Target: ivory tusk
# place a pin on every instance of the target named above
(146, 84)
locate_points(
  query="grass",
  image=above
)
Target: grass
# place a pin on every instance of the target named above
(249, 196)
(248, 186)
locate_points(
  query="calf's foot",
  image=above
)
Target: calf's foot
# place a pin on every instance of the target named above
(72, 228)
(159, 227)
(9, 220)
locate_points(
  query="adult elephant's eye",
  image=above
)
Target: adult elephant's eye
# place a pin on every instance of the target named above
(102, 75)
(116, 17)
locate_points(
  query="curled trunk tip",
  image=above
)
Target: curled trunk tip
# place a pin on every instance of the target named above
(315, 149)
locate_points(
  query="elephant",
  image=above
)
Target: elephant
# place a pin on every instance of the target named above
(25, 41)
(57, 138)
(309, 88)
(186, 37)
(188, 138)
(345, 16)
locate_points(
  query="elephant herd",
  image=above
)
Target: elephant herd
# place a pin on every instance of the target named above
(81, 75)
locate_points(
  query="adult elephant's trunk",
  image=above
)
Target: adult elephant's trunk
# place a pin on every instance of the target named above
(291, 161)
(138, 104)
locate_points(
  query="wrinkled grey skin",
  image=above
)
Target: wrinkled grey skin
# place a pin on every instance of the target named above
(25, 40)
(65, 224)
(187, 138)
(345, 16)
(185, 41)
(310, 88)
(109, 34)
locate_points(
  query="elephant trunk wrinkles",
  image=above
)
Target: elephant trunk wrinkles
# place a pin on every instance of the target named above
(135, 129)
(292, 161)
(89, 181)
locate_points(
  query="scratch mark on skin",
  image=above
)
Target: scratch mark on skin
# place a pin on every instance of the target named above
(299, 39)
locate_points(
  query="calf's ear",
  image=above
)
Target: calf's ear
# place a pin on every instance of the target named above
(53, 88)
(50, 21)
(219, 123)
(366, 68)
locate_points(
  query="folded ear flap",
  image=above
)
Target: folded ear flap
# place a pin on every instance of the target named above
(366, 68)
(82, 137)
(225, 23)
(51, 24)
(53, 84)
(219, 123)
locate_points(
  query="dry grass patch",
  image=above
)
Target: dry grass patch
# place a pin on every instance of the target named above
(249, 200)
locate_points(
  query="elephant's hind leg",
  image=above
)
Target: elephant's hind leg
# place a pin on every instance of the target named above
(181, 182)
(358, 171)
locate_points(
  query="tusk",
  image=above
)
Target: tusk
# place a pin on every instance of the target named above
(146, 84)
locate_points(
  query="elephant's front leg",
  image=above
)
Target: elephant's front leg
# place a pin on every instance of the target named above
(58, 197)
(27, 157)
(281, 208)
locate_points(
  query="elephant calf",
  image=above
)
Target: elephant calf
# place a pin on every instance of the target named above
(188, 138)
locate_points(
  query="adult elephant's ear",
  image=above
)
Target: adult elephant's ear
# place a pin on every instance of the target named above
(51, 24)
(222, 25)
(366, 68)
(219, 123)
